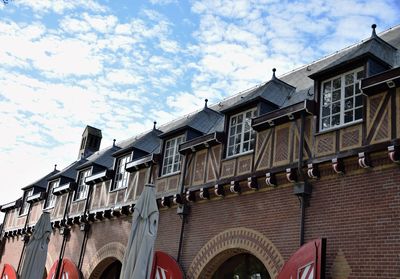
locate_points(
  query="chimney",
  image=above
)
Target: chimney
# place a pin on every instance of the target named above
(91, 139)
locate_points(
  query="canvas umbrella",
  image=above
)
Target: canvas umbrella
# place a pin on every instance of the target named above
(36, 250)
(138, 258)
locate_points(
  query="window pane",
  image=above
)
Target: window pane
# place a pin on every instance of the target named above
(349, 79)
(246, 136)
(327, 87)
(358, 114)
(336, 96)
(348, 116)
(335, 107)
(240, 118)
(348, 91)
(327, 99)
(358, 100)
(337, 83)
(326, 110)
(360, 74)
(348, 103)
(335, 120)
(325, 123)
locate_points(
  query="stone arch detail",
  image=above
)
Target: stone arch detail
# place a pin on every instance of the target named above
(103, 258)
(232, 242)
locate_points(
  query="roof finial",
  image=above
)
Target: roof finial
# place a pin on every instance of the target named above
(114, 142)
(205, 103)
(154, 125)
(273, 73)
(373, 35)
(55, 167)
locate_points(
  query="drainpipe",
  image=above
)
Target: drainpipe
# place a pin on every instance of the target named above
(303, 188)
(65, 236)
(26, 238)
(183, 210)
(87, 226)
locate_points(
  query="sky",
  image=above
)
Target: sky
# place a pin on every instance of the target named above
(120, 65)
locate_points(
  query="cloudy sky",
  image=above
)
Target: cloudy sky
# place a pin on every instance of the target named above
(120, 65)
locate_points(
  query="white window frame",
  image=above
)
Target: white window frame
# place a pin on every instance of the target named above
(51, 198)
(82, 189)
(121, 178)
(347, 105)
(172, 157)
(25, 205)
(237, 144)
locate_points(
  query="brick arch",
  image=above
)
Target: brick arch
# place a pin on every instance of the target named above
(232, 242)
(103, 258)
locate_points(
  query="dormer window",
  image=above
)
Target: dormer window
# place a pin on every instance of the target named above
(241, 135)
(82, 190)
(51, 198)
(25, 205)
(341, 100)
(121, 175)
(172, 158)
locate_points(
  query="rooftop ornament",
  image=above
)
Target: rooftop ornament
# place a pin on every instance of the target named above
(373, 35)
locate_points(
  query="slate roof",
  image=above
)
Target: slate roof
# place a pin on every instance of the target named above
(92, 131)
(205, 121)
(70, 171)
(42, 182)
(102, 158)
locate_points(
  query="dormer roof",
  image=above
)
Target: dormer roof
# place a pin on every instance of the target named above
(205, 121)
(148, 142)
(69, 172)
(102, 158)
(42, 182)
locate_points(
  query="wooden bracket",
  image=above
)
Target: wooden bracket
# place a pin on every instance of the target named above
(291, 175)
(252, 183)
(190, 196)
(364, 160)
(313, 171)
(270, 179)
(219, 190)
(165, 202)
(177, 199)
(235, 187)
(204, 194)
(338, 166)
(394, 153)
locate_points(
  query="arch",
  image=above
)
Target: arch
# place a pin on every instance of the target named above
(232, 242)
(103, 258)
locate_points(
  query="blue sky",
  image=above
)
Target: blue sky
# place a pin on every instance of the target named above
(120, 65)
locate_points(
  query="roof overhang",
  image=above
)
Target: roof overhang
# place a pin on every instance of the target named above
(65, 188)
(283, 115)
(201, 142)
(381, 82)
(143, 162)
(11, 205)
(99, 177)
(36, 197)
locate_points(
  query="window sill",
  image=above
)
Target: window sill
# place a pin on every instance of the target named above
(339, 127)
(118, 189)
(238, 155)
(78, 200)
(169, 174)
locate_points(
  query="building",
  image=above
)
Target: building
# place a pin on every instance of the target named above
(241, 185)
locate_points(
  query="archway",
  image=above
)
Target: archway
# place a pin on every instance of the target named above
(109, 268)
(243, 265)
(230, 243)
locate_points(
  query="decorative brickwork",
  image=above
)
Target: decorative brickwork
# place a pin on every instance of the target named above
(103, 258)
(232, 242)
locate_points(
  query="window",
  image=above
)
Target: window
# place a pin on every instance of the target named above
(341, 100)
(172, 158)
(241, 135)
(25, 205)
(121, 175)
(51, 198)
(82, 190)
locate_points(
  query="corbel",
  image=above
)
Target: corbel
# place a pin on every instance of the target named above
(291, 175)
(91, 217)
(270, 179)
(394, 153)
(165, 202)
(99, 215)
(116, 212)
(83, 219)
(364, 160)
(125, 209)
(107, 213)
(23, 231)
(5, 234)
(338, 165)
(63, 223)
(204, 194)
(26, 238)
(177, 199)
(77, 220)
(219, 190)
(235, 187)
(29, 230)
(313, 171)
(191, 196)
(252, 183)
(19, 232)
